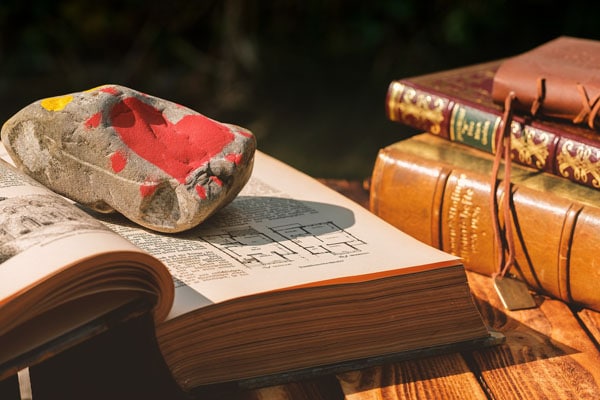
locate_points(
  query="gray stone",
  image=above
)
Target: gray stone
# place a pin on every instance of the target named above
(162, 165)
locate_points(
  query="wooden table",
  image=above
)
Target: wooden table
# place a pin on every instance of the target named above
(551, 352)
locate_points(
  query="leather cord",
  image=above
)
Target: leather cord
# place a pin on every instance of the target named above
(504, 241)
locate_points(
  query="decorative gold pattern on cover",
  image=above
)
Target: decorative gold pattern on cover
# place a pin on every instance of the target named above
(581, 163)
(426, 109)
(526, 147)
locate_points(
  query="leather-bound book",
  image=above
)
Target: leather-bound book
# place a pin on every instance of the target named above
(439, 192)
(457, 105)
(560, 78)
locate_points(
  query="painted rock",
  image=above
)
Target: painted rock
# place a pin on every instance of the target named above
(162, 165)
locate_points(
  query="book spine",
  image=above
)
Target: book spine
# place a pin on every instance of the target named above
(559, 153)
(446, 206)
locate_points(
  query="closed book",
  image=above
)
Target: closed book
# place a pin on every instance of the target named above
(439, 192)
(457, 105)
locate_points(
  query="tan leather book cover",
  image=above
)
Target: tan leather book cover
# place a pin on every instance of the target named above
(439, 192)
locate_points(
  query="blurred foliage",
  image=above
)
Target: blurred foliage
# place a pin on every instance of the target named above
(308, 77)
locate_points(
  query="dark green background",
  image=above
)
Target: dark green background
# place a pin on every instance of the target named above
(308, 77)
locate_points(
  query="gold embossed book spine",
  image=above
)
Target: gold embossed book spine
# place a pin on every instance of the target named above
(457, 105)
(438, 192)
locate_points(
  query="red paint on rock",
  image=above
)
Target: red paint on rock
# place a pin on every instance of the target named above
(147, 189)
(216, 180)
(201, 191)
(178, 148)
(118, 161)
(234, 158)
(93, 121)
(110, 90)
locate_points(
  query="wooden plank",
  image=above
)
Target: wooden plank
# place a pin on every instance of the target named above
(437, 377)
(547, 355)
(325, 388)
(591, 321)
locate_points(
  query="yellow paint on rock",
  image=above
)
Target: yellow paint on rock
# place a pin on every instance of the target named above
(93, 89)
(56, 103)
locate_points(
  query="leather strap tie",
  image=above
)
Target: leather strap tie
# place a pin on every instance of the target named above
(589, 108)
(541, 95)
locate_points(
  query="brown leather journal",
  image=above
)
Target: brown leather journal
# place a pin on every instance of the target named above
(559, 79)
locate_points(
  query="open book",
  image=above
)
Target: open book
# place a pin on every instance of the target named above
(290, 277)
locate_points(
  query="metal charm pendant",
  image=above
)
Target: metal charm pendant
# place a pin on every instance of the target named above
(513, 293)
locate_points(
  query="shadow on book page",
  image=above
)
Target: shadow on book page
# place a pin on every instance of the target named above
(253, 236)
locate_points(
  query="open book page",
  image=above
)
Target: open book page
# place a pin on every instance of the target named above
(284, 229)
(46, 241)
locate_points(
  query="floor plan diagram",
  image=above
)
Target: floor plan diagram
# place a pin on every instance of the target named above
(316, 243)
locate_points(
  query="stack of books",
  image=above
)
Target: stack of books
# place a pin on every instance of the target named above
(437, 185)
